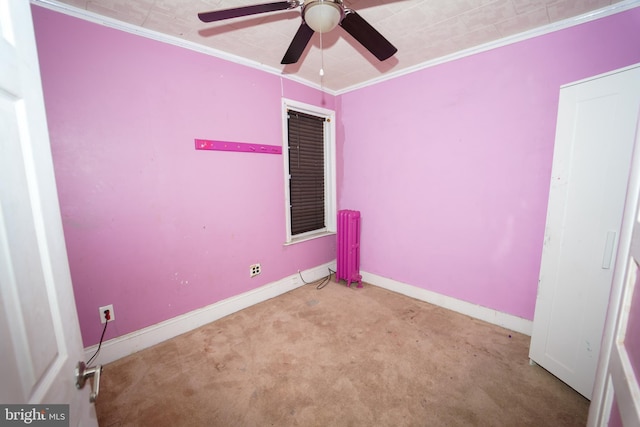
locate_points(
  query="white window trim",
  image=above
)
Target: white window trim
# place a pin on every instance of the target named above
(330, 169)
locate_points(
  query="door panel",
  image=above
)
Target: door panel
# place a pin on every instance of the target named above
(592, 158)
(21, 259)
(38, 322)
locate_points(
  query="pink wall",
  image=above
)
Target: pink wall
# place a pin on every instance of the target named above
(153, 226)
(450, 165)
(615, 420)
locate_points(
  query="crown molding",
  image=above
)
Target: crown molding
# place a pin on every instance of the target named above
(536, 32)
(144, 32)
(165, 38)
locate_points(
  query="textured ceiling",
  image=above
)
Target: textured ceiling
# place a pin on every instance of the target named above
(422, 30)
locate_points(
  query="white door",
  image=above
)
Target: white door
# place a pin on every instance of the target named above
(592, 158)
(616, 395)
(39, 331)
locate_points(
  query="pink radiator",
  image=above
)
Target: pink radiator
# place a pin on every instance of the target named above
(348, 259)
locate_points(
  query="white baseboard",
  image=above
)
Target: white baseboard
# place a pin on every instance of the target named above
(125, 345)
(488, 315)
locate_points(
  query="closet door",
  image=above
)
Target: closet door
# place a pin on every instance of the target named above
(592, 158)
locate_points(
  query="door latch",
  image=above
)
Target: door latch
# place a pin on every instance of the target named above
(83, 373)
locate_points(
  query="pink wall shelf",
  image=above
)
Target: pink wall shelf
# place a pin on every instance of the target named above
(205, 144)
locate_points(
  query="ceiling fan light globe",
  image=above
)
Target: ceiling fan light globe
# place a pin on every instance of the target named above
(322, 15)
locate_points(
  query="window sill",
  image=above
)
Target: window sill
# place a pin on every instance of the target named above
(311, 236)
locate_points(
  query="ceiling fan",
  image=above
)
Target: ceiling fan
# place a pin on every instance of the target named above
(317, 16)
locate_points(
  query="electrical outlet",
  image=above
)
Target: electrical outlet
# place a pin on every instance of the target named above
(103, 316)
(254, 270)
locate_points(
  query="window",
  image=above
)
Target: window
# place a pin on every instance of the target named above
(309, 165)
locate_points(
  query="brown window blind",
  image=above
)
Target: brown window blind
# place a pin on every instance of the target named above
(306, 169)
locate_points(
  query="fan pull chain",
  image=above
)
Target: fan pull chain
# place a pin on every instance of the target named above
(321, 59)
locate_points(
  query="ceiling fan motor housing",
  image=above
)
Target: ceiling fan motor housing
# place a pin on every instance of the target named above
(323, 15)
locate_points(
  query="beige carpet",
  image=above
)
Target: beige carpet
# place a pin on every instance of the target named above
(338, 356)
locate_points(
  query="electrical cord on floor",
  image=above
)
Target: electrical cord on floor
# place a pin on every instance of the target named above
(101, 338)
(323, 281)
